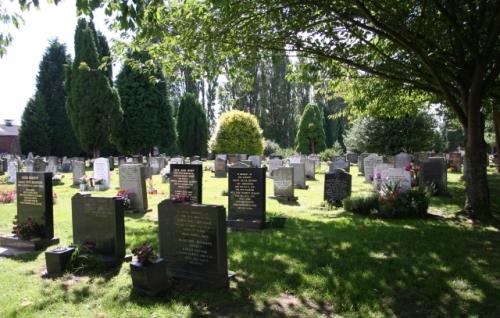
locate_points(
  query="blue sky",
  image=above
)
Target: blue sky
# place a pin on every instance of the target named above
(19, 67)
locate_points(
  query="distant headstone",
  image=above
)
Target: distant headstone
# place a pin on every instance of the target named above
(402, 160)
(283, 183)
(111, 163)
(455, 161)
(133, 179)
(317, 161)
(177, 160)
(122, 160)
(52, 164)
(28, 165)
(186, 179)
(361, 162)
(433, 171)
(193, 241)
(419, 157)
(339, 163)
(155, 164)
(310, 169)
(101, 172)
(274, 164)
(78, 171)
(299, 175)
(66, 165)
(100, 223)
(233, 158)
(393, 177)
(220, 166)
(12, 170)
(247, 198)
(296, 159)
(255, 160)
(352, 157)
(377, 175)
(39, 165)
(337, 186)
(369, 164)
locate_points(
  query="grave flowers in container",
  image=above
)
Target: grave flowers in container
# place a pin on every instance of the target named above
(84, 183)
(148, 271)
(126, 196)
(27, 230)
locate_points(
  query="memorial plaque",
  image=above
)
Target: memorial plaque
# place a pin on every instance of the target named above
(133, 179)
(299, 175)
(310, 169)
(186, 179)
(369, 164)
(193, 242)
(99, 222)
(78, 171)
(34, 199)
(433, 171)
(101, 171)
(337, 186)
(361, 162)
(247, 198)
(283, 183)
(402, 160)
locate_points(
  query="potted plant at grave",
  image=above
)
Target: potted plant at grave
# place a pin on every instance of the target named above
(148, 272)
(126, 196)
(27, 230)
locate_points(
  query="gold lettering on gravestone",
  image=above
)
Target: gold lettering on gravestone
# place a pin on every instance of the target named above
(194, 228)
(245, 193)
(183, 179)
(29, 190)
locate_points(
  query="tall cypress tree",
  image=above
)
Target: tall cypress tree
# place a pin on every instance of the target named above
(147, 116)
(51, 89)
(34, 135)
(192, 130)
(93, 105)
(311, 135)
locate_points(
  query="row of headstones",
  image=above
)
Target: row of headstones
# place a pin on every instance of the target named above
(192, 236)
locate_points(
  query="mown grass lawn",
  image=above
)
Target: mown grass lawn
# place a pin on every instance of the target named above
(324, 263)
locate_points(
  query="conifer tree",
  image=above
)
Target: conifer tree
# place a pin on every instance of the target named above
(192, 127)
(34, 133)
(311, 135)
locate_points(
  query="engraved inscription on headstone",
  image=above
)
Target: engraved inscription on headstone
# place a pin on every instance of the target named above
(433, 171)
(337, 186)
(133, 179)
(283, 183)
(186, 179)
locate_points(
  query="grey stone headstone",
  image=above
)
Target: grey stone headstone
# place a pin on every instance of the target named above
(28, 165)
(352, 157)
(299, 175)
(12, 170)
(52, 165)
(361, 162)
(402, 160)
(133, 179)
(377, 175)
(39, 165)
(339, 163)
(396, 177)
(78, 171)
(220, 167)
(337, 186)
(433, 171)
(310, 169)
(155, 165)
(369, 164)
(255, 160)
(283, 182)
(101, 172)
(274, 164)
(317, 161)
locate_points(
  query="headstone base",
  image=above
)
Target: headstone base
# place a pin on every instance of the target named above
(284, 198)
(13, 242)
(301, 187)
(243, 225)
(210, 282)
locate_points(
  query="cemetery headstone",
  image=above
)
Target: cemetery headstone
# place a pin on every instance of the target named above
(39, 165)
(78, 171)
(377, 175)
(393, 177)
(28, 165)
(133, 179)
(186, 180)
(101, 172)
(247, 198)
(255, 160)
(361, 162)
(433, 171)
(274, 164)
(337, 186)
(99, 222)
(12, 171)
(310, 169)
(283, 184)
(455, 161)
(220, 167)
(193, 241)
(339, 163)
(155, 164)
(317, 161)
(369, 164)
(402, 160)
(299, 175)
(352, 157)
(111, 163)
(52, 165)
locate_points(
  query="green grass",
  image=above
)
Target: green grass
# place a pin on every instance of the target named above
(325, 262)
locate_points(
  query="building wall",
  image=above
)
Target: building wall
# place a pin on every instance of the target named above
(10, 144)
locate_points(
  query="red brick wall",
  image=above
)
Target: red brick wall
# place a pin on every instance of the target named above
(9, 144)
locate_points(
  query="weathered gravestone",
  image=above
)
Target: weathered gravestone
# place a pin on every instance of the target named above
(337, 186)
(377, 175)
(186, 180)
(317, 161)
(419, 157)
(310, 169)
(283, 184)
(111, 163)
(352, 157)
(35, 204)
(99, 223)
(12, 171)
(66, 165)
(122, 160)
(369, 164)
(78, 171)
(296, 159)
(2, 170)
(52, 165)
(433, 172)
(28, 165)
(233, 158)
(101, 173)
(155, 164)
(274, 164)
(402, 160)
(39, 165)
(339, 163)
(220, 166)
(455, 161)
(299, 175)
(193, 241)
(133, 179)
(255, 160)
(396, 177)
(247, 198)
(361, 162)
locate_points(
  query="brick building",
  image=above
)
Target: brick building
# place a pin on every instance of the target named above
(9, 138)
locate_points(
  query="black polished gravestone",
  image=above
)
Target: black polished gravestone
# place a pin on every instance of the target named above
(337, 186)
(433, 172)
(193, 241)
(99, 222)
(35, 203)
(186, 180)
(247, 198)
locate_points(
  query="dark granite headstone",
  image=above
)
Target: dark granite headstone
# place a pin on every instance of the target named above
(352, 157)
(186, 179)
(193, 242)
(433, 171)
(337, 186)
(247, 198)
(111, 163)
(100, 222)
(133, 179)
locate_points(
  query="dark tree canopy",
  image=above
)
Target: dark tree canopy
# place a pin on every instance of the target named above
(311, 134)
(93, 105)
(192, 130)
(147, 116)
(34, 133)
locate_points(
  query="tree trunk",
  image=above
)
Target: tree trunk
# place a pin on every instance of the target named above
(477, 202)
(496, 124)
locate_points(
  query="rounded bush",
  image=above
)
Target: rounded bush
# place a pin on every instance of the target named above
(238, 132)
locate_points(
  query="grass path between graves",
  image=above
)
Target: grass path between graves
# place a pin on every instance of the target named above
(324, 263)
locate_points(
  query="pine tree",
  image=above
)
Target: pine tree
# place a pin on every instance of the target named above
(51, 88)
(34, 134)
(192, 127)
(311, 135)
(93, 105)
(147, 116)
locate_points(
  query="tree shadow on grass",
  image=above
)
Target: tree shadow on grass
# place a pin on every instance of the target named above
(401, 267)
